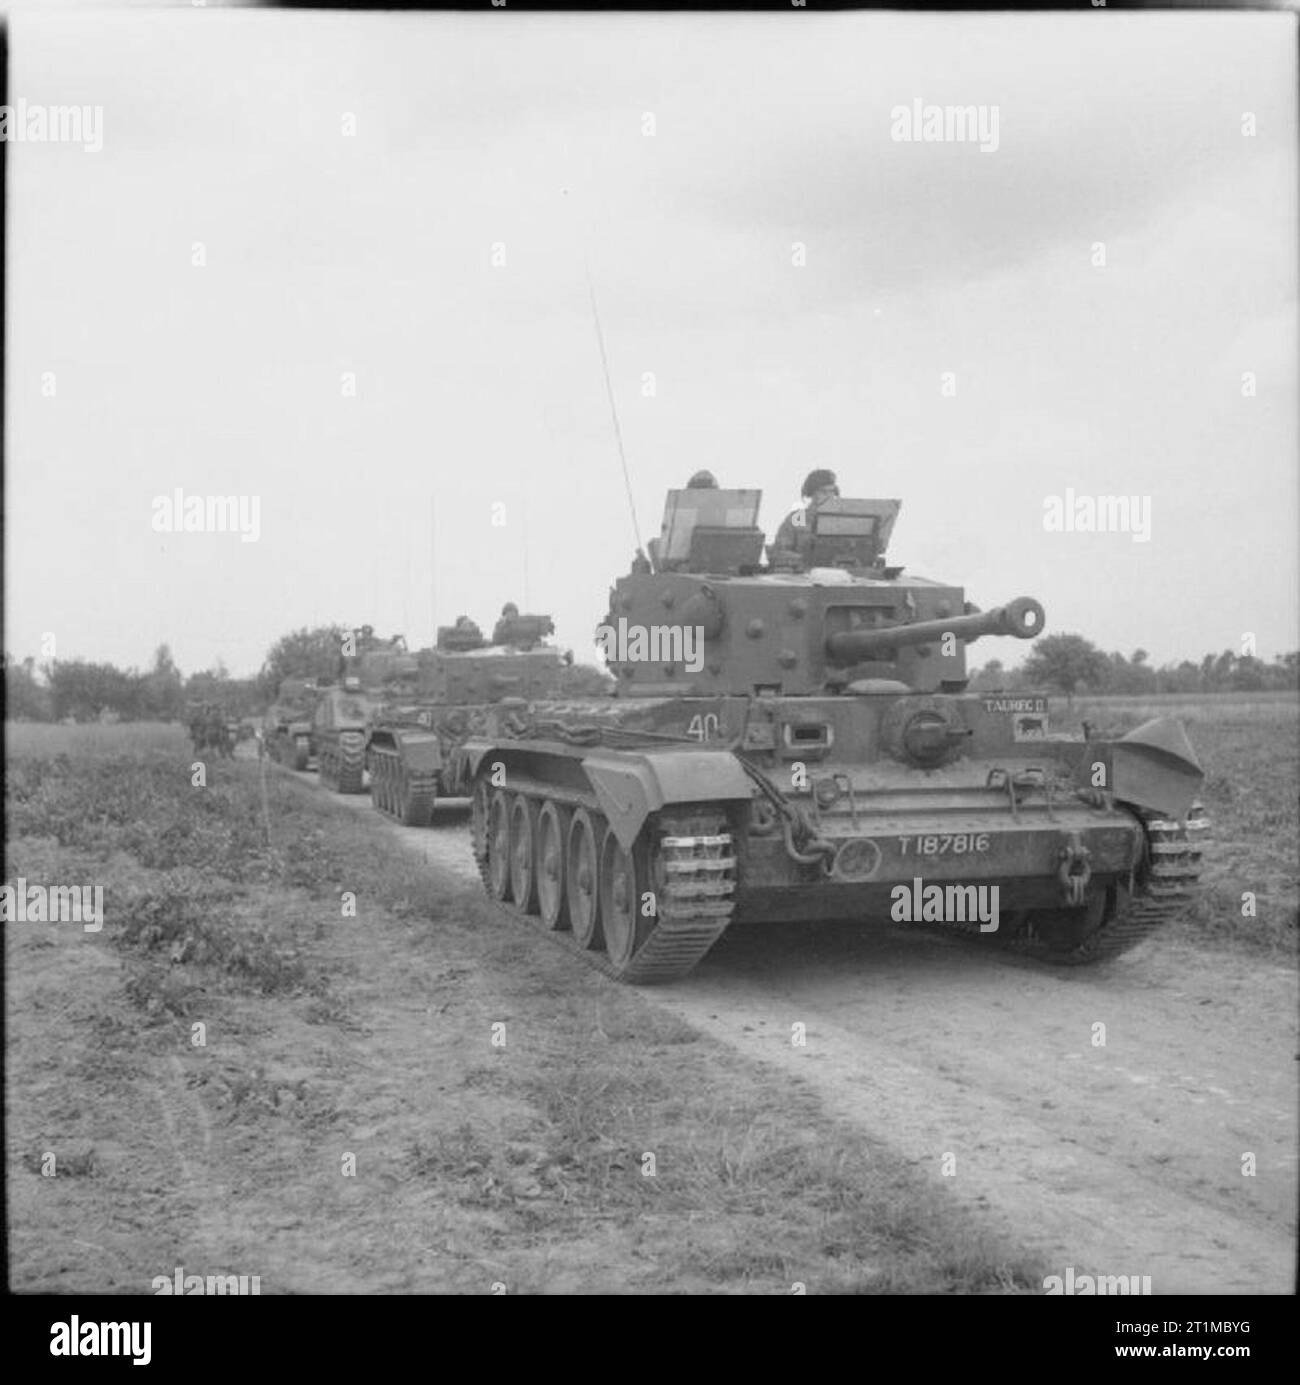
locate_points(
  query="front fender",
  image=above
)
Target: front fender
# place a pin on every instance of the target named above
(629, 787)
(419, 750)
(1155, 767)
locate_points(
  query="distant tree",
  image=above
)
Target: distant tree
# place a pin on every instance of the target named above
(1067, 662)
(986, 679)
(25, 698)
(237, 697)
(161, 695)
(303, 654)
(84, 690)
(1248, 676)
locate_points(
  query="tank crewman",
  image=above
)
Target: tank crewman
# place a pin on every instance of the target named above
(702, 481)
(795, 533)
(504, 627)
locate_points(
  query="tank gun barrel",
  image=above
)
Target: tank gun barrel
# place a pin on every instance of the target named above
(1022, 618)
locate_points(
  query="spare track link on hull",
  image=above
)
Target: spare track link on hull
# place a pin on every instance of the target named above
(405, 795)
(1166, 884)
(694, 903)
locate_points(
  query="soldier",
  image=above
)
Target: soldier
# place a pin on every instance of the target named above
(702, 481)
(503, 631)
(793, 537)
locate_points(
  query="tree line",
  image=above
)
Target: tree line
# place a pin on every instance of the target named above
(1072, 664)
(79, 690)
(85, 691)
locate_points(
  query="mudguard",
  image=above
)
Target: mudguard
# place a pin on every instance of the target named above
(419, 750)
(629, 787)
(1155, 767)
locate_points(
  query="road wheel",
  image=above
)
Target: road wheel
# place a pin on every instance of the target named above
(552, 834)
(523, 837)
(582, 881)
(624, 880)
(498, 845)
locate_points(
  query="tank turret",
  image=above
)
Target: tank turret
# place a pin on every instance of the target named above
(711, 619)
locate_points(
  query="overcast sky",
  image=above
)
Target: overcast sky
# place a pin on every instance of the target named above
(479, 386)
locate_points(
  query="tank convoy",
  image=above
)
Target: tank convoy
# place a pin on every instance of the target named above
(796, 740)
(427, 710)
(287, 733)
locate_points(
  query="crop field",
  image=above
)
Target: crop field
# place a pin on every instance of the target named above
(411, 1099)
(295, 1051)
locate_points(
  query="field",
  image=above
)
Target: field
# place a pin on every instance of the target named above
(296, 1052)
(413, 1099)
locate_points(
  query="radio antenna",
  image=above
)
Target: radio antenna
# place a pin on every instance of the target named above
(613, 408)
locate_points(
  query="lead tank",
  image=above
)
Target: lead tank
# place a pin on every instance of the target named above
(796, 741)
(427, 711)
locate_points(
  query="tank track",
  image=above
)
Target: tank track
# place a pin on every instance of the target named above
(1165, 885)
(1164, 888)
(342, 767)
(414, 806)
(694, 906)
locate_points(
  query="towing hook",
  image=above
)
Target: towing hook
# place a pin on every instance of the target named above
(1074, 872)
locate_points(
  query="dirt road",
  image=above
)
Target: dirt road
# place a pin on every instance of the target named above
(1106, 1115)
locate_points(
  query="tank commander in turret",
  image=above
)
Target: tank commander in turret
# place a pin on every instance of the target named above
(504, 628)
(795, 534)
(702, 481)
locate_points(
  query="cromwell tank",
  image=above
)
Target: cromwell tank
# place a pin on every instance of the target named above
(287, 726)
(343, 715)
(797, 742)
(427, 711)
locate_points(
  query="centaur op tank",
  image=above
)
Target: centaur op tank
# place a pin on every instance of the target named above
(799, 743)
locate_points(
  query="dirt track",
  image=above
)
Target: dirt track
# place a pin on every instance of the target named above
(1118, 1159)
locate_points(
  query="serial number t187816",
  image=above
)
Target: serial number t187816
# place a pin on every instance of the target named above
(955, 844)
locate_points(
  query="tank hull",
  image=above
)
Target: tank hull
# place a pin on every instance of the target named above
(958, 810)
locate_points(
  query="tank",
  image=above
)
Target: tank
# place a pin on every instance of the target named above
(287, 726)
(341, 723)
(428, 710)
(796, 741)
